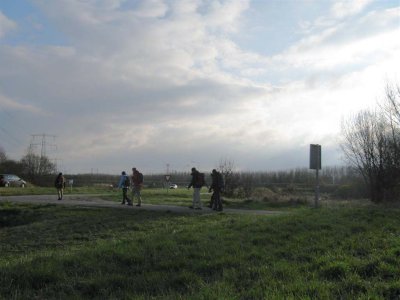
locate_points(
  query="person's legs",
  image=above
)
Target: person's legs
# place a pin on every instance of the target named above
(196, 198)
(218, 200)
(59, 193)
(125, 196)
(213, 201)
(127, 199)
(138, 195)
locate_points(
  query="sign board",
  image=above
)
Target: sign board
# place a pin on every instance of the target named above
(315, 157)
(167, 177)
(70, 182)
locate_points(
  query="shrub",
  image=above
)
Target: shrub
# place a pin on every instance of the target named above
(349, 191)
(264, 194)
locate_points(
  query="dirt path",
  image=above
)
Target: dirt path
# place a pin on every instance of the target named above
(93, 201)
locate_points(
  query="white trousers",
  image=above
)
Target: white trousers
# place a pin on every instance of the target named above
(196, 197)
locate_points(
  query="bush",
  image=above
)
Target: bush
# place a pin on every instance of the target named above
(264, 194)
(350, 191)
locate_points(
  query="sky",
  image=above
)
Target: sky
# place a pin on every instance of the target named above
(105, 85)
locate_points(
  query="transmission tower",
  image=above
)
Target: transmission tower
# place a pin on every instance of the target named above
(44, 144)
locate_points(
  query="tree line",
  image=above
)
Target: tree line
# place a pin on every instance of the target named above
(342, 181)
(30, 166)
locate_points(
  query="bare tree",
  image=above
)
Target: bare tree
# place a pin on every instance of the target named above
(11, 166)
(247, 184)
(372, 145)
(227, 167)
(34, 165)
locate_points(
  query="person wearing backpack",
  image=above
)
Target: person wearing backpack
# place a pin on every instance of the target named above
(197, 183)
(59, 184)
(217, 186)
(137, 181)
(124, 183)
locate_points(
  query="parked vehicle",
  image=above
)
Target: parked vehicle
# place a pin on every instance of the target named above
(173, 186)
(11, 180)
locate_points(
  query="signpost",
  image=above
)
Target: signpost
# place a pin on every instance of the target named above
(315, 164)
(70, 183)
(167, 179)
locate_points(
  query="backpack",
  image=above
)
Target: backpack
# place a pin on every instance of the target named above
(140, 175)
(200, 181)
(127, 181)
(59, 182)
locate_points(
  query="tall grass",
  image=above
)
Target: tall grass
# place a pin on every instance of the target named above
(64, 252)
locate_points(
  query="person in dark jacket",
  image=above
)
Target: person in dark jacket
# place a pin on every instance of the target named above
(59, 184)
(197, 185)
(216, 187)
(124, 183)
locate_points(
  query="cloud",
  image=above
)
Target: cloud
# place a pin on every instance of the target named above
(6, 25)
(224, 15)
(346, 44)
(10, 104)
(150, 82)
(345, 8)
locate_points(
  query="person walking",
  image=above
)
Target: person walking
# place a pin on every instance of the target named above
(59, 183)
(217, 186)
(197, 183)
(137, 182)
(124, 183)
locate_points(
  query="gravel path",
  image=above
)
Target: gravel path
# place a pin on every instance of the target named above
(94, 201)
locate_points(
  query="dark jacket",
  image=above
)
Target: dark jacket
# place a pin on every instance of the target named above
(195, 180)
(217, 183)
(137, 179)
(59, 182)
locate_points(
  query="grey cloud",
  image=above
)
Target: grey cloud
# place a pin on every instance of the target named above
(163, 84)
(6, 25)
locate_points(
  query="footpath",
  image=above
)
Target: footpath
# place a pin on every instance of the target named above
(93, 201)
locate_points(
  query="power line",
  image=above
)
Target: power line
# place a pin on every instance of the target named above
(11, 137)
(12, 120)
(7, 125)
(44, 144)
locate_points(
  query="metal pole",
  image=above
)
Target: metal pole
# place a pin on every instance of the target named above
(317, 189)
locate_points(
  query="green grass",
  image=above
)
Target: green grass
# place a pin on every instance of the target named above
(49, 252)
(35, 190)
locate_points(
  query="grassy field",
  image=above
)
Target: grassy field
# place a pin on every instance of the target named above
(49, 252)
(35, 190)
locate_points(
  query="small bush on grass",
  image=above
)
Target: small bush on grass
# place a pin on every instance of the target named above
(264, 194)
